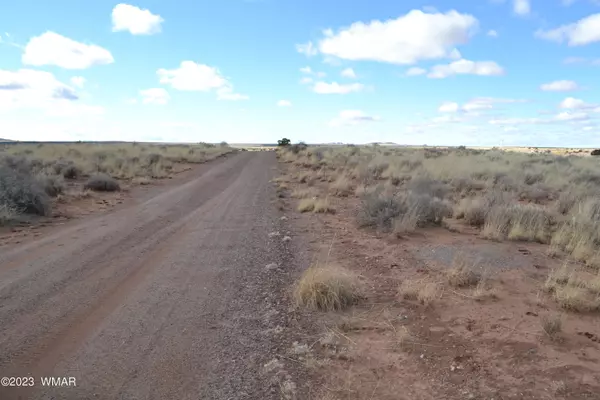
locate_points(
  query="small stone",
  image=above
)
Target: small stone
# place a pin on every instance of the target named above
(271, 267)
(284, 218)
(274, 234)
(286, 239)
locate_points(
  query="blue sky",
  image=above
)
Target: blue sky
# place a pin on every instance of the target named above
(486, 72)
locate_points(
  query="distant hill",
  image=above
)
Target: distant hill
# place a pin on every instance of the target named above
(6, 140)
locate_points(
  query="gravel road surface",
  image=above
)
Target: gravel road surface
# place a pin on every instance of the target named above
(165, 299)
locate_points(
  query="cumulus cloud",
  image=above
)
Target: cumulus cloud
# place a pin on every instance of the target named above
(405, 40)
(53, 49)
(580, 33)
(352, 117)
(78, 81)
(155, 96)
(466, 67)
(306, 80)
(349, 73)
(448, 107)
(39, 90)
(559, 86)
(492, 33)
(284, 103)
(521, 7)
(137, 21)
(336, 88)
(199, 78)
(571, 103)
(309, 71)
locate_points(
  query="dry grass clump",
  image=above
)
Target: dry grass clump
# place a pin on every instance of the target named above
(574, 298)
(341, 187)
(525, 222)
(327, 287)
(464, 272)
(423, 291)
(572, 292)
(315, 205)
(551, 325)
(102, 183)
(303, 193)
(579, 236)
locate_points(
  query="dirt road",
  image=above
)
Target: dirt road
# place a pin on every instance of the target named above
(167, 299)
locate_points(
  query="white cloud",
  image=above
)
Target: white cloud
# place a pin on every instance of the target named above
(349, 73)
(306, 80)
(53, 49)
(571, 116)
(414, 71)
(352, 117)
(155, 96)
(308, 71)
(336, 88)
(284, 103)
(580, 33)
(486, 103)
(448, 107)
(199, 77)
(192, 77)
(405, 40)
(28, 89)
(492, 33)
(466, 67)
(226, 93)
(135, 20)
(559, 86)
(521, 7)
(78, 81)
(308, 49)
(572, 103)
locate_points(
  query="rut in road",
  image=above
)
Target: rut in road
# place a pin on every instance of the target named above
(168, 299)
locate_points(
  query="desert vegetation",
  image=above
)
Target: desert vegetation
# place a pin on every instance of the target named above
(452, 241)
(540, 198)
(34, 176)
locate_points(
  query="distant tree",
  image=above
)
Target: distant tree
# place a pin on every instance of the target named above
(223, 144)
(595, 152)
(284, 142)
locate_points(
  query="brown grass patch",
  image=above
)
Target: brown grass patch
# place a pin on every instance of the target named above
(327, 287)
(421, 290)
(464, 272)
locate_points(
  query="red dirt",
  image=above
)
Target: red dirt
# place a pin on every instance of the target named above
(459, 348)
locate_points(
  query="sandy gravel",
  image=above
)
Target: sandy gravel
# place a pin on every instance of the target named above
(167, 299)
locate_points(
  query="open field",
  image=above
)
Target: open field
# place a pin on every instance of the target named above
(44, 178)
(447, 273)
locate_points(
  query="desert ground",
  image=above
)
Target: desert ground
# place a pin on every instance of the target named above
(303, 272)
(446, 273)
